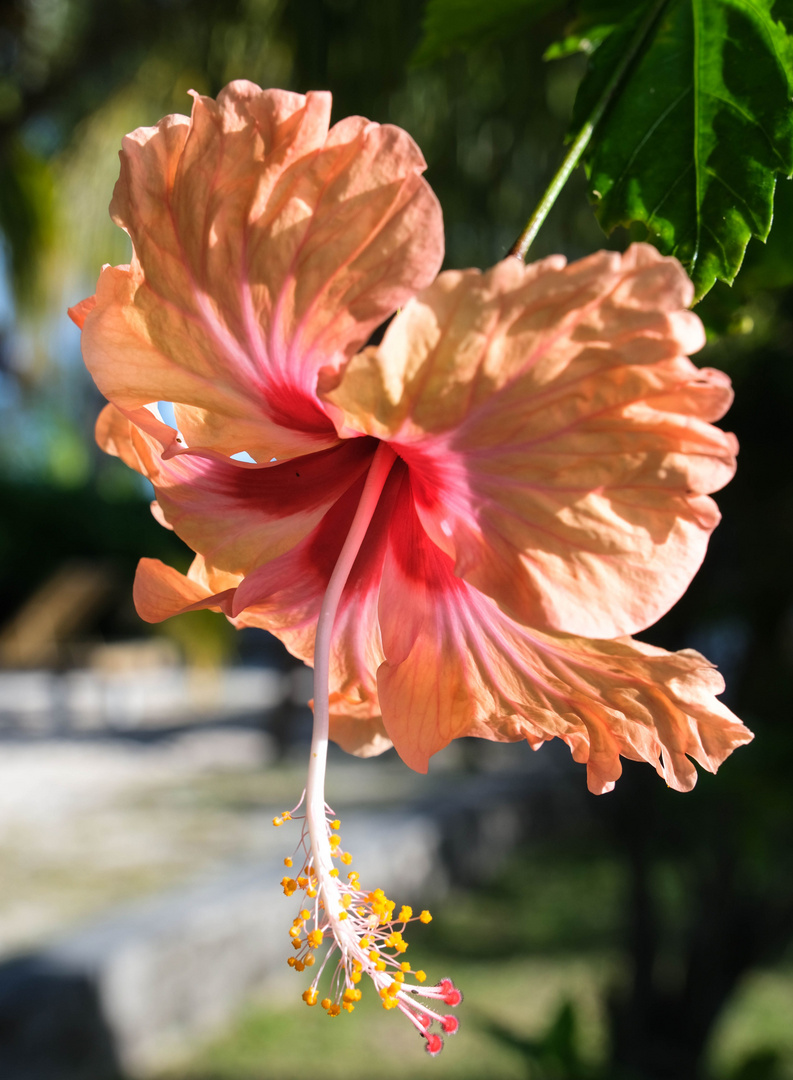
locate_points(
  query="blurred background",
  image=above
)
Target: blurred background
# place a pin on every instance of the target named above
(642, 935)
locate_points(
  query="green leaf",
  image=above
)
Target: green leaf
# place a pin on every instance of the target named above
(698, 131)
(459, 24)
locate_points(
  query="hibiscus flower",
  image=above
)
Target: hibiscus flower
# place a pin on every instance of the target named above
(458, 527)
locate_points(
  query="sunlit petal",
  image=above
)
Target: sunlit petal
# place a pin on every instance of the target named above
(559, 440)
(161, 592)
(266, 248)
(458, 665)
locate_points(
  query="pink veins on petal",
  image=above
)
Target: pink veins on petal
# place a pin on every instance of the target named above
(545, 449)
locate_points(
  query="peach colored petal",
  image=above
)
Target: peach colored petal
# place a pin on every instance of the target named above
(458, 665)
(239, 516)
(80, 311)
(266, 248)
(358, 727)
(160, 592)
(559, 442)
(420, 657)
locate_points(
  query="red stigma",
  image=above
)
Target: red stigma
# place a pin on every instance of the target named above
(450, 1025)
(434, 1045)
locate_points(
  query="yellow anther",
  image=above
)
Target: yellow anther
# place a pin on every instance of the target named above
(401, 947)
(394, 940)
(300, 965)
(366, 941)
(394, 989)
(425, 917)
(356, 976)
(311, 893)
(342, 915)
(294, 931)
(349, 994)
(346, 900)
(309, 960)
(287, 861)
(353, 877)
(278, 821)
(286, 815)
(289, 885)
(348, 1005)
(291, 961)
(304, 914)
(302, 882)
(334, 840)
(399, 976)
(420, 976)
(334, 872)
(374, 955)
(357, 965)
(310, 996)
(405, 913)
(404, 966)
(326, 1003)
(334, 1010)
(296, 943)
(347, 859)
(335, 824)
(380, 965)
(314, 939)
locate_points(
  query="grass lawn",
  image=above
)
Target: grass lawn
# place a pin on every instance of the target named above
(292, 1041)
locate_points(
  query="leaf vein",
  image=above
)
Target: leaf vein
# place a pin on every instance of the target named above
(669, 191)
(718, 242)
(649, 133)
(748, 212)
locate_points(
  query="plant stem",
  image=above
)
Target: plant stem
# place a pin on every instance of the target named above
(521, 246)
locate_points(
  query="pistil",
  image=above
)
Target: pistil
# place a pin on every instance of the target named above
(361, 925)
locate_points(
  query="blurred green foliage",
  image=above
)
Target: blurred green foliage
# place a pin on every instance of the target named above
(451, 25)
